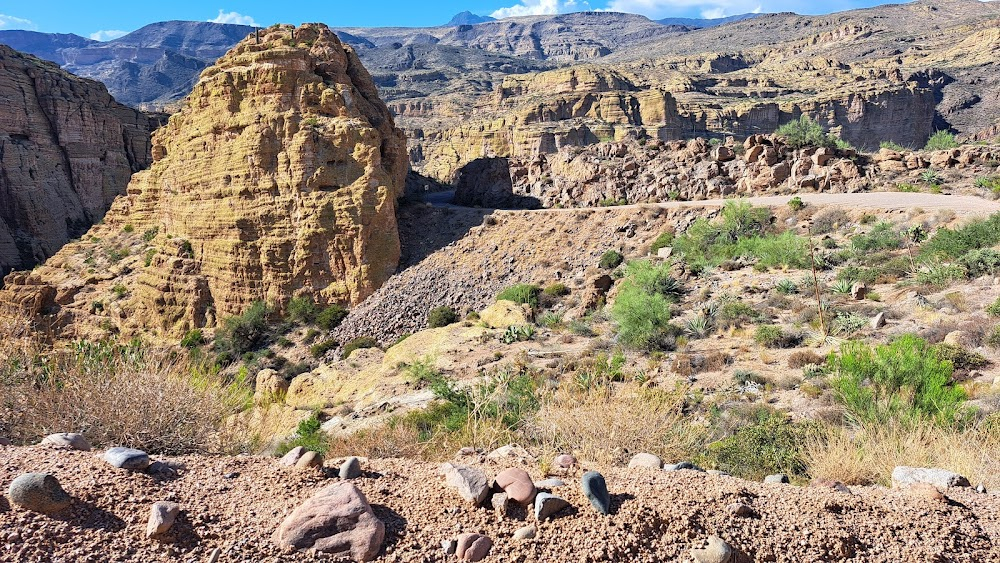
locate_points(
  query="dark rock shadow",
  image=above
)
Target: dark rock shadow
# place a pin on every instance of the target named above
(4, 505)
(395, 525)
(87, 515)
(182, 534)
(619, 499)
(424, 229)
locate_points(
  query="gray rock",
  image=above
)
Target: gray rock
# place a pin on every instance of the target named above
(351, 468)
(470, 482)
(161, 517)
(525, 533)
(878, 321)
(777, 479)
(68, 440)
(127, 458)
(717, 473)
(596, 490)
(645, 460)
(682, 466)
(4, 441)
(547, 505)
(717, 551)
(499, 502)
(292, 457)
(449, 546)
(549, 484)
(740, 510)
(38, 492)
(943, 479)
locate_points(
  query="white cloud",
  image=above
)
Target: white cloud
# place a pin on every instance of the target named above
(234, 18)
(107, 34)
(12, 22)
(541, 8)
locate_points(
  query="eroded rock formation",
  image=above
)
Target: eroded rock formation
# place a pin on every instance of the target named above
(278, 177)
(67, 149)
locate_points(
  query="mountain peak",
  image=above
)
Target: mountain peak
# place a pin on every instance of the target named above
(468, 18)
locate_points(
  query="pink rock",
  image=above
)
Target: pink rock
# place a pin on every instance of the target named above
(292, 457)
(337, 520)
(161, 517)
(309, 460)
(517, 484)
(473, 547)
(564, 461)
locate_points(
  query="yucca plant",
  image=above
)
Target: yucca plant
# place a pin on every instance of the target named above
(786, 287)
(699, 327)
(842, 287)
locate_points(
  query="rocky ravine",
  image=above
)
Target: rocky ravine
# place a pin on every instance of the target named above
(67, 149)
(230, 507)
(279, 176)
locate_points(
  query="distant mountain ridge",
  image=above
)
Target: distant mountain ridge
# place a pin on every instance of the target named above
(701, 23)
(468, 18)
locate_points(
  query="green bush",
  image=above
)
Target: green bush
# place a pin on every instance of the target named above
(769, 443)
(309, 435)
(301, 310)
(556, 290)
(883, 237)
(441, 316)
(941, 140)
(940, 275)
(744, 377)
(150, 234)
(733, 312)
(980, 262)
(796, 204)
(892, 146)
(193, 338)
(357, 344)
(959, 357)
(804, 132)
(743, 231)
(331, 317)
(772, 336)
(320, 349)
(955, 243)
(521, 293)
(662, 241)
(993, 338)
(643, 318)
(903, 381)
(654, 279)
(786, 287)
(993, 309)
(242, 333)
(611, 259)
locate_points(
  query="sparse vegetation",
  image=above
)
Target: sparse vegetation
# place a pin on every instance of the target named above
(242, 333)
(804, 132)
(526, 294)
(611, 260)
(941, 140)
(309, 434)
(441, 316)
(331, 317)
(357, 344)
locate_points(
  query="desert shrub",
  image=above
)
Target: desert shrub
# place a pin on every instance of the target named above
(121, 395)
(786, 287)
(980, 262)
(242, 333)
(796, 204)
(989, 183)
(551, 320)
(803, 358)
(848, 324)
(521, 293)
(643, 319)
(320, 349)
(804, 132)
(766, 444)
(959, 357)
(955, 243)
(939, 274)
(699, 327)
(744, 377)
(993, 309)
(612, 202)
(772, 336)
(150, 234)
(827, 220)
(301, 310)
(662, 241)
(892, 146)
(993, 338)
(654, 279)
(556, 290)
(357, 344)
(903, 381)
(883, 237)
(517, 333)
(786, 250)
(735, 312)
(941, 140)
(308, 434)
(611, 259)
(743, 231)
(331, 317)
(441, 316)
(193, 338)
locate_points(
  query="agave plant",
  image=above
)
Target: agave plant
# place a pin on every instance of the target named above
(699, 327)
(786, 287)
(842, 287)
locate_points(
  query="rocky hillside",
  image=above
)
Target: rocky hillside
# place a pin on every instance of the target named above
(67, 149)
(278, 177)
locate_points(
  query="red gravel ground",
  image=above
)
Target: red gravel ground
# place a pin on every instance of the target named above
(235, 503)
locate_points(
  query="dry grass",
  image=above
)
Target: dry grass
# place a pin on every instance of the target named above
(868, 455)
(606, 425)
(118, 396)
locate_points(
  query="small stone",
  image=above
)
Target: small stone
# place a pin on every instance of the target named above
(878, 321)
(470, 482)
(927, 491)
(777, 479)
(981, 489)
(942, 479)
(547, 505)
(473, 547)
(596, 490)
(717, 473)
(564, 461)
(39, 492)
(127, 458)
(717, 551)
(525, 533)
(449, 546)
(830, 484)
(517, 484)
(351, 468)
(645, 460)
(292, 456)
(499, 503)
(309, 460)
(161, 517)
(740, 510)
(467, 451)
(509, 452)
(4, 441)
(231, 475)
(549, 484)
(68, 440)
(215, 555)
(684, 465)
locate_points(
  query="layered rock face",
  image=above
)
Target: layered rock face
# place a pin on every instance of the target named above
(67, 149)
(278, 177)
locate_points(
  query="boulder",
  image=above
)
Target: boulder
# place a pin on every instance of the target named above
(473, 547)
(350, 469)
(645, 460)
(269, 387)
(38, 492)
(336, 520)
(127, 458)
(716, 551)
(596, 491)
(470, 482)
(503, 314)
(777, 479)
(517, 484)
(67, 440)
(161, 517)
(878, 321)
(943, 479)
(292, 457)
(309, 460)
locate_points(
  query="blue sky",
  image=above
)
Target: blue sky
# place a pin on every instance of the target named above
(108, 19)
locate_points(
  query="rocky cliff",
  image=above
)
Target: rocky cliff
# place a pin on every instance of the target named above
(67, 149)
(278, 177)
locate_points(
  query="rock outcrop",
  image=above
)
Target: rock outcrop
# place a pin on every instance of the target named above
(67, 149)
(278, 177)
